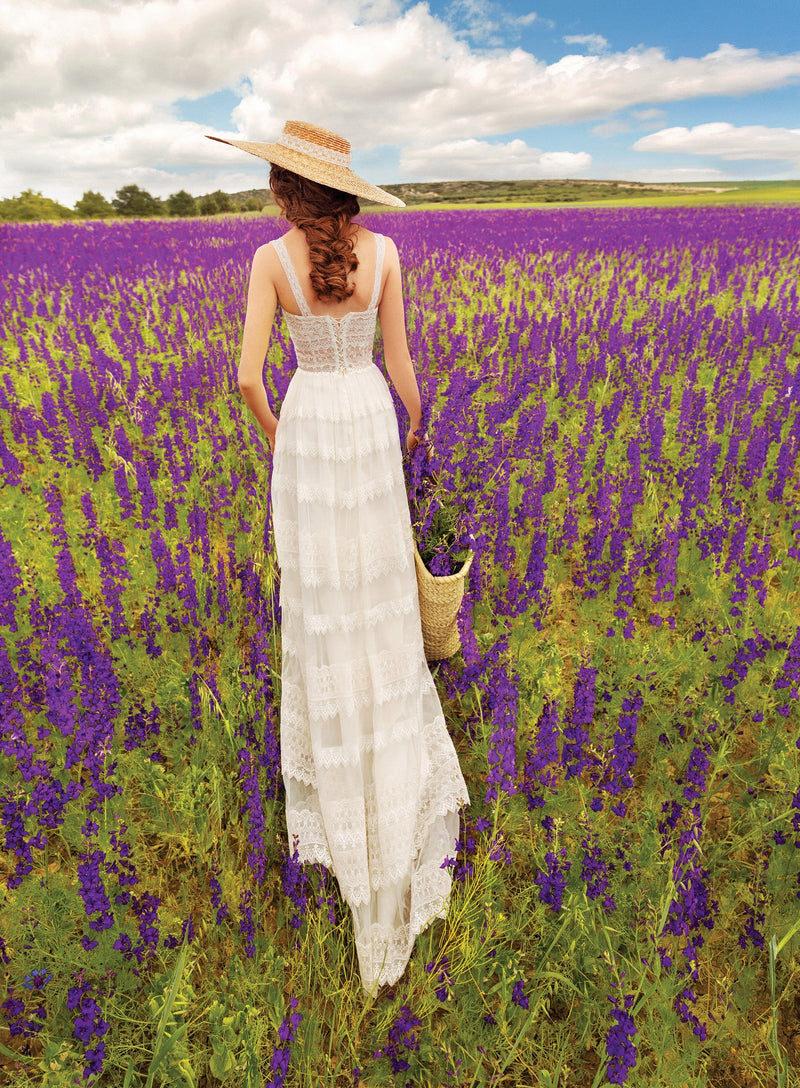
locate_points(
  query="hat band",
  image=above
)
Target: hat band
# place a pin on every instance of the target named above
(306, 147)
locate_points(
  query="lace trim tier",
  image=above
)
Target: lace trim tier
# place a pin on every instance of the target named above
(344, 705)
(370, 673)
(314, 579)
(359, 448)
(298, 763)
(337, 412)
(354, 831)
(324, 623)
(340, 562)
(299, 759)
(341, 498)
(342, 688)
(314, 548)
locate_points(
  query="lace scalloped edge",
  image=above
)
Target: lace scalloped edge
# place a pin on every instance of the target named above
(322, 623)
(351, 755)
(321, 452)
(341, 499)
(316, 854)
(336, 577)
(453, 803)
(323, 709)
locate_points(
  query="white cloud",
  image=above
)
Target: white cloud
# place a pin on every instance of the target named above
(454, 160)
(388, 83)
(613, 127)
(155, 50)
(726, 141)
(87, 86)
(595, 43)
(161, 156)
(648, 115)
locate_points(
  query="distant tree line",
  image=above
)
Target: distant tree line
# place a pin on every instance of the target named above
(130, 201)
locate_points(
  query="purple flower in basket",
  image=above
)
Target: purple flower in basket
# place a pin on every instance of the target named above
(438, 515)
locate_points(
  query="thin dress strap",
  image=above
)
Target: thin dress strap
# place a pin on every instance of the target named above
(291, 275)
(380, 243)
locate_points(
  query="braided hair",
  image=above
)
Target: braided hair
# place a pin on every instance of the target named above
(323, 215)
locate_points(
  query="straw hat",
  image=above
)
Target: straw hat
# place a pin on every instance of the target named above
(316, 154)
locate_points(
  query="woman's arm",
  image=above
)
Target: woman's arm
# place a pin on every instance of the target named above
(395, 343)
(262, 300)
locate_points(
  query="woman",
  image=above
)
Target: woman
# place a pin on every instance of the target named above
(373, 785)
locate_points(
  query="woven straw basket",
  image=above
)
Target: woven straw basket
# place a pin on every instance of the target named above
(439, 599)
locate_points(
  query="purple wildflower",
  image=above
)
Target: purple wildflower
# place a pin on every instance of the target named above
(518, 996)
(619, 1048)
(553, 882)
(402, 1040)
(443, 977)
(246, 923)
(541, 760)
(295, 886)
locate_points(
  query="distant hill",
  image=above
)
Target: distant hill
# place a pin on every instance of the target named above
(551, 190)
(547, 191)
(240, 199)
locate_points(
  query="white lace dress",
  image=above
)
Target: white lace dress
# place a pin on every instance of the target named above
(373, 784)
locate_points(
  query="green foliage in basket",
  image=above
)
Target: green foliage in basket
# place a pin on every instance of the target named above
(438, 517)
(444, 542)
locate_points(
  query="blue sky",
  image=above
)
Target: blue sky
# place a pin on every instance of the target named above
(96, 95)
(681, 28)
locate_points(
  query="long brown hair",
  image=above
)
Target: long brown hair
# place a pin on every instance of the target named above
(323, 214)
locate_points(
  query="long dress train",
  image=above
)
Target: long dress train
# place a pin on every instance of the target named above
(373, 784)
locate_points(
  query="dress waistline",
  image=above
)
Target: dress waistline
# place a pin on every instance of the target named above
(333, 367)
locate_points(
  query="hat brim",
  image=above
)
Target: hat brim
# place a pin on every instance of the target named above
(331, 174)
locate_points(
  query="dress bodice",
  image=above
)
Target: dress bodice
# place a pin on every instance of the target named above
(325, 343)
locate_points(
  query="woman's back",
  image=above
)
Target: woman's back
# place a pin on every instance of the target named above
(324, 341)
(365, 249)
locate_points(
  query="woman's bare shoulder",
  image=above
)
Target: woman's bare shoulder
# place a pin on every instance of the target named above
(374, 233)
(289, 236)
(266, 254)
(367, 233)
(392, 257)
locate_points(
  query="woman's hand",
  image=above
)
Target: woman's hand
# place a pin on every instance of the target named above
(415, 437)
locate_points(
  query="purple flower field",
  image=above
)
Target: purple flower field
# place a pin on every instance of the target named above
(614, 394)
